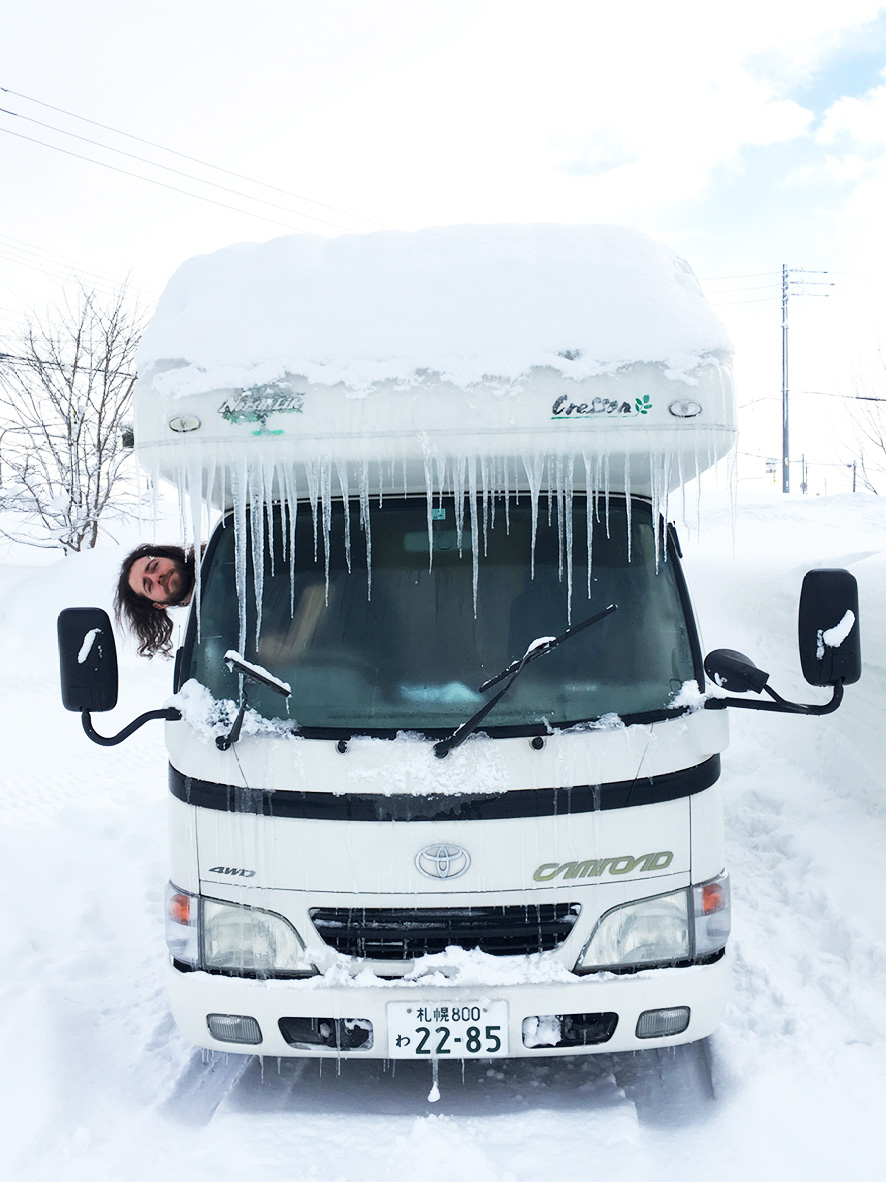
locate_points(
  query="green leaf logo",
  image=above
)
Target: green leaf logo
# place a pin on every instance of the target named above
(643, 404)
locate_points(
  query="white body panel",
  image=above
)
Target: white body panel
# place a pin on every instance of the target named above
(409, 437)
(407, 764)
(290, 866)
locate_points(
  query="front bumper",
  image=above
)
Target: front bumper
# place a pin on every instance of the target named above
(194, 996)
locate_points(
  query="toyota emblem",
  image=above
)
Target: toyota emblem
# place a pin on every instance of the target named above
(442, 861)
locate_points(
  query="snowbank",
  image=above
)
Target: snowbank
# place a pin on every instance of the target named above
(98, 1087)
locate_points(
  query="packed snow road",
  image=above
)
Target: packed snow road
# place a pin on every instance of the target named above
(98, 1085)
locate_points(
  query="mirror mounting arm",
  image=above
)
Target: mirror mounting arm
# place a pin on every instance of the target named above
(780, 705)
(169, 714)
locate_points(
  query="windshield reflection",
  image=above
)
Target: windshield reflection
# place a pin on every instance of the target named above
(412, 654)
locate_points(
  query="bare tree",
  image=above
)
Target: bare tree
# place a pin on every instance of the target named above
(867, 411)
(65, 395)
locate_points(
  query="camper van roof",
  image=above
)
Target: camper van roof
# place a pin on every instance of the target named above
(464, 302)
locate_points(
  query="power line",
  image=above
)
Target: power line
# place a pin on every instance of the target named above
(185, 156)
(52, 257)
(756, 287)
(63, 271)
(732, 303)
(34, 362)
(847, 397)
(167, 168)
(150, 180)
(715, 278)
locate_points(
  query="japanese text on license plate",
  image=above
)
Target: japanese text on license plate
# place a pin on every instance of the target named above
(464, 1030)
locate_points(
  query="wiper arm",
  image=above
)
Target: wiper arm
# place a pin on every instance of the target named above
(536, 649)
(249, 674)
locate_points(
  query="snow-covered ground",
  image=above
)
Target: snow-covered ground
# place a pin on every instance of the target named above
(96, 1083)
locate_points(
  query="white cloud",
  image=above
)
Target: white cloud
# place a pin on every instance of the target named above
(862, 120)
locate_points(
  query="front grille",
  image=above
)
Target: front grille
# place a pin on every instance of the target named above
(395, 933)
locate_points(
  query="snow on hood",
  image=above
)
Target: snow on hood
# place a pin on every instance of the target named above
(465, 302)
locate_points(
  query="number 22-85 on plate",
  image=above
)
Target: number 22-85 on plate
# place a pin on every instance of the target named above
(440, 1030)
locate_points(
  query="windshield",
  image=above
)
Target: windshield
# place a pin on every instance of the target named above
(409, 651)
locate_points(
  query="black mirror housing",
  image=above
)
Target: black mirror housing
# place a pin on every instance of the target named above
(830, 643)
(733, 671)
(87, 657)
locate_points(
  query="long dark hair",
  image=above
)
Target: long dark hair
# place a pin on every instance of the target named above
(152, 628)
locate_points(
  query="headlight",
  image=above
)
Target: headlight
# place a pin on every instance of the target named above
(210, 934)
(252, 941)
(682, 925)
(650, 931)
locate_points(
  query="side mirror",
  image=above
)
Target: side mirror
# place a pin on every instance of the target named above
(87, 658)
(830, 644)
(733, 671)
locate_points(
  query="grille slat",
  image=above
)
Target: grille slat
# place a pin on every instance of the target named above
(388, 933)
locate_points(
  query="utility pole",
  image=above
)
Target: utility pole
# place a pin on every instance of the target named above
(785, 434)
(786, 281)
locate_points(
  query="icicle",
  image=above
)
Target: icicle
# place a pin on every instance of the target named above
(654, 481)
(590, 508)
(290, 495)
(533, 476)
(256, 520)
(343, 481)
(561, 523)
(434, 1093)
(365, 522)
(475, 541)
(568, 491)
(313, 496)
(429, 499)
(195, 499)
(240, 492)
(326, 512)
(507, 496)
(458, 492)
(627, 503)
(484, 478)
(495, 491)
(665, 494)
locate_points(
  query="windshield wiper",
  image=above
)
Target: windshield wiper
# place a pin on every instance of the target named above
(249, 675)
(538, 648)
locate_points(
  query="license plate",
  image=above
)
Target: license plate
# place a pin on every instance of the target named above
(437, 1030)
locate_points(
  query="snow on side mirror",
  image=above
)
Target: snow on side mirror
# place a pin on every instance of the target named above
(87, 658)
(733, 671)
(830, 644)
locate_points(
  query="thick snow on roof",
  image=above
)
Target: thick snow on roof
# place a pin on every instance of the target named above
(466, 302)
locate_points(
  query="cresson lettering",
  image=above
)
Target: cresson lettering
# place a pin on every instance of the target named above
(562, 407)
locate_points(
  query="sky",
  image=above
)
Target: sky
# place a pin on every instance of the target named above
(746, 139)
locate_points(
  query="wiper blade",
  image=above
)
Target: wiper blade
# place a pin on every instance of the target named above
(249, 675)
(538, 648)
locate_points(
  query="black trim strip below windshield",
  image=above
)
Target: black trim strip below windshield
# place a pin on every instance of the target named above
(534, 802)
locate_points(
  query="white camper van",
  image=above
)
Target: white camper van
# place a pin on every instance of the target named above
(444, 780)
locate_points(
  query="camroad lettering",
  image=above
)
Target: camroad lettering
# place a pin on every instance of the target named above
(594, 867)
(232, 870)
